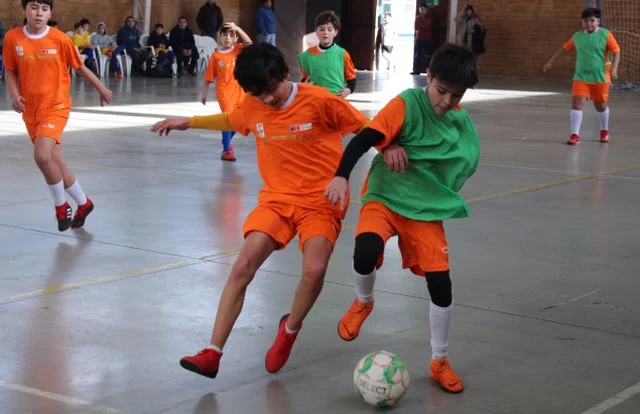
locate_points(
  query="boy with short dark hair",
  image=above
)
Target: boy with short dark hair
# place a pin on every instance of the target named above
(327, 64)
(594, 46)
(297, 129)
(37, 58)
(437, 151)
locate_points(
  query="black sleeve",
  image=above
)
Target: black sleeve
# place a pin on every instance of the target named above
(356, 148)
(351, 84)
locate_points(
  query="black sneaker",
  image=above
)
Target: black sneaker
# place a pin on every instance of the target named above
(81, 214)
(63, 215)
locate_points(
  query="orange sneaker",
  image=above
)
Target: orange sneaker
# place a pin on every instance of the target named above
(604, 136)
(442, 372)
(350, 324)
(279, 352)
(205, 362)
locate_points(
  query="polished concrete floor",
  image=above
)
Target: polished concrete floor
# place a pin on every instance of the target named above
(546, 288)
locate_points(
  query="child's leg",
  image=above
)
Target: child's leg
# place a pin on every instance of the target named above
(71, 184)
(439, 284)
(575, 119)
(316, 252)
(226, 140)
(256, 249)
(600, 94)
(43, 154)
(368, 249)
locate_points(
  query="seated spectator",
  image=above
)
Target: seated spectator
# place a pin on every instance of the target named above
(159, 40)
(107, 46)
(83, 43)
(129, 39)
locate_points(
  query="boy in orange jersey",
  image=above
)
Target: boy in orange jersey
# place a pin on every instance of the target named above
(327, 64)
(37, 60)
(228, 91)
(297, 129)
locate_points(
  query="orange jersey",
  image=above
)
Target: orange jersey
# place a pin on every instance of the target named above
(221, 65)
(298, 146)
(42, 63)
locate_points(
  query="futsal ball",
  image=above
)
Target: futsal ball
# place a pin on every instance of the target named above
(381, 379)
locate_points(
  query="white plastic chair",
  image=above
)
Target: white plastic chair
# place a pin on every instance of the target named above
(126, 67)
(206, 46)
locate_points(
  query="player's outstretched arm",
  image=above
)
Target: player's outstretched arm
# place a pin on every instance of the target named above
(105, 94)
(549, 64)
(217, 122)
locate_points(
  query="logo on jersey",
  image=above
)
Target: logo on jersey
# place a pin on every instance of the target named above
(260, 128)
(48, 125)
(20, 50)
(300, 128)
(48, 51)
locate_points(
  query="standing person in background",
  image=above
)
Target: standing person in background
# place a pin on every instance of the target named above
(266, 21)
(423, 47)
(210, 19)
(1, 42)
(469, 27)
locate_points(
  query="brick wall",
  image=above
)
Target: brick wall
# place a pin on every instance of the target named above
(113, 12)
(522, 35)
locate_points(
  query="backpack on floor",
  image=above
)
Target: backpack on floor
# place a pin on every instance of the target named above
(159, 66)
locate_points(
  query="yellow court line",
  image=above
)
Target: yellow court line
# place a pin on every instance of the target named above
(112, 278)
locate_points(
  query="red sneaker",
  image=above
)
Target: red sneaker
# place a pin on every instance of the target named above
(604, 136)
(81, 214)
(573, 139)
(119, 75)
(279, 352)
(205, 362)
(63, 215)
(228, 155)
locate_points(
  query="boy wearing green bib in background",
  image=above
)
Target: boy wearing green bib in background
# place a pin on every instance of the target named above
(327, 64)
(437, 151)
(593, 46)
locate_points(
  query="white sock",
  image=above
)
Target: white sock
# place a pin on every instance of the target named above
(57, 191)
(75, 191)
(575, 121)
(289, 330)
(215, 348)
(604, 119)
(439, 319)
(364, 286)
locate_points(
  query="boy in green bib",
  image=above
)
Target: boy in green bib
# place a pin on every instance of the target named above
(432, 148)
(592, 78)
(327, 64)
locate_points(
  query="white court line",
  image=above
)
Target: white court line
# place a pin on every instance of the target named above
(615, 400)
(58, 397)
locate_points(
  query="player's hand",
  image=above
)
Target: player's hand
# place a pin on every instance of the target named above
(547, 67)
(344, 93)
(203, 99)
(17, 103)
(231, 26)
(336, 191)
(614, 74)
(105, 96)
(396, 158)
(169, 124)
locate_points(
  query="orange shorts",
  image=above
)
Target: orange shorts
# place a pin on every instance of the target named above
(282, 221)
(599, 92)
(423, 244)
(50, 126)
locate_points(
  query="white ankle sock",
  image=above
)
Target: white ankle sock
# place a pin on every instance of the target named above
(439, 319)
(364, 286)
(215, 348)
(75, 191)
(57, 191)
(289, 330)
(603, 117)
(575, 121)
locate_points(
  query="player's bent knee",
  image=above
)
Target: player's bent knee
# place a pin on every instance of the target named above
(369, 247)
(314, 273)
(439, 285)
(243, 271)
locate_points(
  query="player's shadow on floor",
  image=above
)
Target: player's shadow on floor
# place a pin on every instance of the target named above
(206, 405)
(278, 398)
